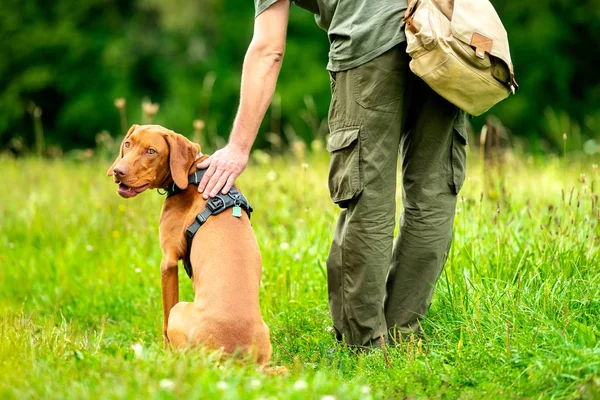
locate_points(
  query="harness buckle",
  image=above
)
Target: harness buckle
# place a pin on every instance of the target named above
(201, 219)
(215, 205)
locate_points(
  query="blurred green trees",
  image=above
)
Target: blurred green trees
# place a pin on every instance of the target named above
(555, 60)
(70, 60)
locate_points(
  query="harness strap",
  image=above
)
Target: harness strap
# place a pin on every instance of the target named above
(214, 206)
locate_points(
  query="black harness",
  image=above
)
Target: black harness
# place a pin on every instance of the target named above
(216, 205)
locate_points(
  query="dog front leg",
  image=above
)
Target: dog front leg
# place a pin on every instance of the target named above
(170, 290)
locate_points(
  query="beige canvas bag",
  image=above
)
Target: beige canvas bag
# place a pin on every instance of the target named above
(460, 49)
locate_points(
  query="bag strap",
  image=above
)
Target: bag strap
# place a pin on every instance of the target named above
(409, 14)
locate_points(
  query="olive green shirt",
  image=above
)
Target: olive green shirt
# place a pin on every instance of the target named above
(358, 30)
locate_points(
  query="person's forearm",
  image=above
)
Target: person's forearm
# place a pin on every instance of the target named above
(259, 78)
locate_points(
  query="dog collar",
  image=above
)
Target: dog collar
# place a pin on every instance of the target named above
(193, 179)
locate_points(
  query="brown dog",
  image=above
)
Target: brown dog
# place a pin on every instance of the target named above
(225, 257)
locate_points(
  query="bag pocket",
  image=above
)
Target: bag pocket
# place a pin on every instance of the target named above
(345, 177)
(458, 155)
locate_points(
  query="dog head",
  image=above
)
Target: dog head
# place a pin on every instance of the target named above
(152, 157)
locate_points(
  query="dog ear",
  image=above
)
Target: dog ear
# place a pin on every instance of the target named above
(129, 132)
(182, 154)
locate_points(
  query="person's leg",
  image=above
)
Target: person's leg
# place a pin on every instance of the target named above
(365, 125)
(433, 153)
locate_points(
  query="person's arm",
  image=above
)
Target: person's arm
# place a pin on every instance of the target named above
(259, 77)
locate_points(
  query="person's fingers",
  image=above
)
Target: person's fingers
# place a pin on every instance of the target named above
(220, 184)
(204, 164)
(209, 189)
(207, 175)
(229, 184)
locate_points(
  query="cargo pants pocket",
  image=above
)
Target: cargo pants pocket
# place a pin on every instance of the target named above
(458, 154)
(345, 175)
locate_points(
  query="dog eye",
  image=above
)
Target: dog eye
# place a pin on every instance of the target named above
(150, 151)
(126, 145)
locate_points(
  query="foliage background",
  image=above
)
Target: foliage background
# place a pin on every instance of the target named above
(516, 311)
(72, 59)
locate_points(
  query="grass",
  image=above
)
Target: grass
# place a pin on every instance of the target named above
(516, 313)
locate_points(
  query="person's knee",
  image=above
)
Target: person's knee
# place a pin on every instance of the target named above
(435, 212)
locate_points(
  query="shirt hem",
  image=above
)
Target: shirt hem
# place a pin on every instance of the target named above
(263, 7)
(338, 66)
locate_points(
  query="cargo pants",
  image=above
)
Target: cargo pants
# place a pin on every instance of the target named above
(380, 287)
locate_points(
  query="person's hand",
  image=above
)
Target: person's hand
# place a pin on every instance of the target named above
(224, 166)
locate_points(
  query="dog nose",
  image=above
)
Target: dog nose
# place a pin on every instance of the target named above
(119, 171)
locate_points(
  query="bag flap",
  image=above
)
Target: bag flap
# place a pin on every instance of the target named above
(342, 138)
(476, 22)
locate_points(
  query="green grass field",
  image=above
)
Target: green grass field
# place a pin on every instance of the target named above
(516, 313)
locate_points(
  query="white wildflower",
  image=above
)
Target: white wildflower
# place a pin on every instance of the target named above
(254, 383)
(138, 349)
(166, 384)
(272, 175)
(300, 385)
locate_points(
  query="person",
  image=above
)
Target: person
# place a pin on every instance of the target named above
(379, 288)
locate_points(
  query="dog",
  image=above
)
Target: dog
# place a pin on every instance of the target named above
(225, 259)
